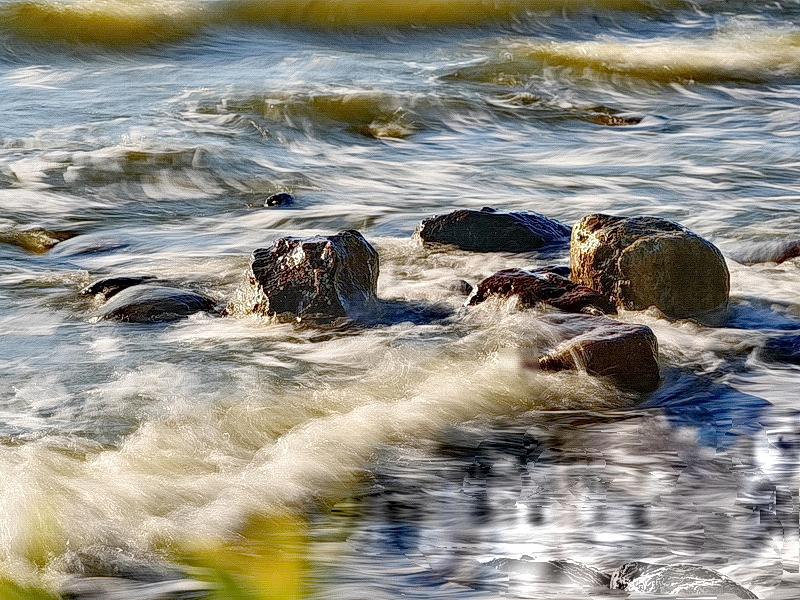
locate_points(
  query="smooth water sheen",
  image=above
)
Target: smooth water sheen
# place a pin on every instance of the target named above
(143, 137)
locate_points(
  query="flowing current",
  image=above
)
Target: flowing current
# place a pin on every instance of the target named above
(233, 457)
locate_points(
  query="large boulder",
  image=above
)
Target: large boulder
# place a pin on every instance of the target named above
(640, 262)
(625, 353)
(153, 304)
(317, 279)
(676, 580)
(491, 230)
(542, 286)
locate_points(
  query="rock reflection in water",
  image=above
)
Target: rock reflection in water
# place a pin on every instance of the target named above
(550, 507)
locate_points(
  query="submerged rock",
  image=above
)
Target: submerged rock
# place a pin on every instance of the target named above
(625, 353)
(491, 230)
(279, 199)
(109, 286)
(542, 286)
(640, 262)
(777, 251)
(675, 580)
(559, 572)
(151, 304)
(319, 279)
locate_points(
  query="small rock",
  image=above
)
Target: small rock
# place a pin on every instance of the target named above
(491, 230)
(675, 580)
(542, 286)
(319, 279)
(109, 286)
(638, 262)
(625, 353)
(461, 287)
(151, 304)
(279, 199)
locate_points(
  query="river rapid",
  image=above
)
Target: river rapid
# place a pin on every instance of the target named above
(249, 459)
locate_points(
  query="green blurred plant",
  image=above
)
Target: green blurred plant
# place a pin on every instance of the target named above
(268, 561)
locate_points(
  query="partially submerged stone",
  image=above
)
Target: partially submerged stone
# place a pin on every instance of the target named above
(491, 230)
(543, 286)
(318, 278)
(638, 262)
(559, 572)
(152, 304)
(625, 353)
(676, 580)
(33, 239)
(279, 199)
(776, 251)
(110, 286)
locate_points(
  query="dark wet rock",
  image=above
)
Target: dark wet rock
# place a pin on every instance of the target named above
(640, 262)
(542, 287)
(776, 251)
(676, 580)
(151, 304)
(625, 353)
(109, 286)
(33, 239)
(319, 278)
(785, 348)
(491, 230)
(279, 199)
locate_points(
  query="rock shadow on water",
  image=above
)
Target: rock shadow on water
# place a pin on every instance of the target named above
(718, 412)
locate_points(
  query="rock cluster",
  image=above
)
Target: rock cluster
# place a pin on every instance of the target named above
(616, 263)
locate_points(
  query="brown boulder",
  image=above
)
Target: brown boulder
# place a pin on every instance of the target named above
(319, 278)
(491, 230)
(640, 262)
(625, 353)
(542, 286)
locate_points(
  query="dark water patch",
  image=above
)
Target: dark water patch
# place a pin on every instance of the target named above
(759, 314)
(719, 412)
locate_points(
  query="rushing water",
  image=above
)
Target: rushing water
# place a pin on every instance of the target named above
(400, 459)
